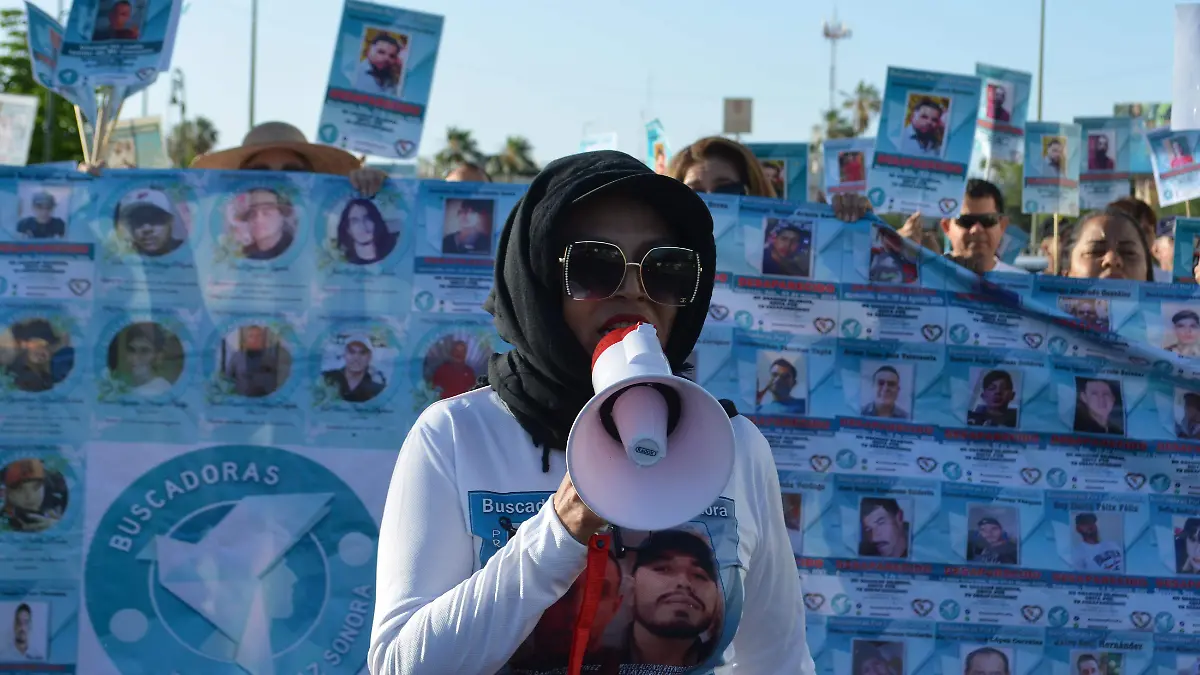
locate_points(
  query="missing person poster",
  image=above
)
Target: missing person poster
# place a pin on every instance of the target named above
(1104, 160)
(380, 79)
(785, 166)
(18, 114)
(658, 149)
(1146, 118)
(846, 162)
(138, 144)
(1052, 161)
(124, 42)
(924, 144)
(999, 136)
(1173, 158)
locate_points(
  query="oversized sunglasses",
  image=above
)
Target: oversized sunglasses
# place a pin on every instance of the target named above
(987, 220)
(595, 270)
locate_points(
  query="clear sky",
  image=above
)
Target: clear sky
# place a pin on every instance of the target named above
(548, 69)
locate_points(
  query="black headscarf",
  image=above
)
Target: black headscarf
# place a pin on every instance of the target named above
(546, 379)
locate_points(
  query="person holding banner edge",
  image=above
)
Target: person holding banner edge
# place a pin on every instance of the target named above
(455, 596)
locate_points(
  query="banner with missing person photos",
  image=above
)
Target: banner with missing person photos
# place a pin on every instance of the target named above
(998, 474)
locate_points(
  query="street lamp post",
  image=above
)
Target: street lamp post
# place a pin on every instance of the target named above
(179, 98)
(253, 53)
(1041, 57)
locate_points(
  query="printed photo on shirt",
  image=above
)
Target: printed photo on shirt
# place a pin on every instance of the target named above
(354, 367)
(29, 634)
(886, 389)
(793, 520)
(1054, 155)
(118, 20)
(1101, 150)
(35, 496)
(1174, 152)
(787, 247)
(1187, 414)
(1187, 665)
(146, 358)
(254, 360)
(1093, 662)
(1187, 544)
(1099, 406)
(775, 171)
(662, 604)
(995, 398)
(877, 657)
(993, 535)
(150, 223)
(1181, 329)
(1097, 541)
(361, 233)
(453, 363)
(925, 121)
(987, 660)
(997, 101)
(884, 527)
(43, 211)
(1092, 313)
(35, 355)
(467, 226)
(260, 224)
(852, 166)
(892, 261)
(382, 60)
(781, 384)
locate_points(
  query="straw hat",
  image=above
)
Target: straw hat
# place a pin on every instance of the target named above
(282, 136)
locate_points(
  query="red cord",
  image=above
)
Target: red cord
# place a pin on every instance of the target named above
(594, 575)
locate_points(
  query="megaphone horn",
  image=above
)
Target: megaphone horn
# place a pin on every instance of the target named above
(650, 450)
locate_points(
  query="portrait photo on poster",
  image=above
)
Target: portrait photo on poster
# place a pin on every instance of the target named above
(355, 367)
(35, 496)
(29, 636)
(147, 358)
(1101, 150)
(261, 223)
(988, 660)
(1186, 413)
(118, 20)
(1099, 406)
(1174, 152)
(43, 211)
(467, 226)
(993, 534)
(787, 247)
(926, 122)
(152, 223)
(122, 153)
(998, 100)
(255, 360)
(35, 356)
(781, 384)
(454, 362)
(640, 618)
(775, 171)
(1187, 665)
(851, 166)
(362, 234)
(1181, 329)
(1097, 541)
(793, 520)
(886, 389)
(891, 261)
(995, 398)
(1094, 662)
(1054, 155)
(660, 157)
(885, 527)
(1186, 531)
(1093, 313)
(869, 657)
(382, 59)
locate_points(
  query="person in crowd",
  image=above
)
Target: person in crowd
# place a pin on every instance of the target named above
(362, 235)
(885, 531)
(992, 544)
(997, 393)
(444, 604)
(1187, 547)
(354, 380)
(1105, 244)
(1097, 411)
(467, 172)
(1143, 214)
(382, 70)
(120, 24)
(43, 224)
(987, 661)
(149, 219)
(886, 383)
(1094, 554)
(975, 234)
(783, 380)
(144, 345)
(719, 165)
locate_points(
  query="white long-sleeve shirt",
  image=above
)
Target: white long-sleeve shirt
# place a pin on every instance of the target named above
(472, 553)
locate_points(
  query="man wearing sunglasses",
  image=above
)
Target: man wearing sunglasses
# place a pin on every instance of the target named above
(976, 233)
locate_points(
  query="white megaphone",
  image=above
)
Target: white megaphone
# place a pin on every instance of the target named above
(651, 450)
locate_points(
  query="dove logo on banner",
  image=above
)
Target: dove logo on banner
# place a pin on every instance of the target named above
(234, 559)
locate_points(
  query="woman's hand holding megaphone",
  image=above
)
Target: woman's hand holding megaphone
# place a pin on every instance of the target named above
(574, 514)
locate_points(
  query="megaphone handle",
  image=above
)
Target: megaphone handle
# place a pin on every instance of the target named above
(594, 576)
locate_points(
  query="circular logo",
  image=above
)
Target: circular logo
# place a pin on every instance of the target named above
(851, 328)
(841, 604)
(1164, 622)
(1057, 477)
(1031, 206)
(234, 559)
(949, 610)
(1160, 482)
(424, 301)
(846, 459)
(1057, 345)
(959, 333)
(876, 196)
(68, 77)
(328, 133)
(1058, 617)
(952, 470)
(744, 319)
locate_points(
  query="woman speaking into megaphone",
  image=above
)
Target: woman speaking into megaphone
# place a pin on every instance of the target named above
(485, 542)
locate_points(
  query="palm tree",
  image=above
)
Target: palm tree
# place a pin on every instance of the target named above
(837, 126)
(460, 147)
(190, 139)
(514, 160)
(864, 104)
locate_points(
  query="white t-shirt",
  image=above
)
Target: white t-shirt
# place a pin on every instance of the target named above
(471, 553)
(1104, 556)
